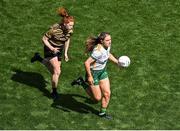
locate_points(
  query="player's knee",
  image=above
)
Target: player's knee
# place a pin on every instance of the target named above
(107, 95)
(57, 72)
(97, 98)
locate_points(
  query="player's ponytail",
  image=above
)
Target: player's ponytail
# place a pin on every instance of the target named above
(62, 12)
(91, 42)
(66, 17)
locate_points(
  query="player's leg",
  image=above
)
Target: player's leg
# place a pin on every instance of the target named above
(93, 91)
(44, 61)
(56, 71)
(105, 88)
(36, 57)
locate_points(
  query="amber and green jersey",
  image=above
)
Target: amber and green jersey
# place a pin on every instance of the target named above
(58, 35)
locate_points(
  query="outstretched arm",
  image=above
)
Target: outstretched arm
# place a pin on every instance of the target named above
(113, 59)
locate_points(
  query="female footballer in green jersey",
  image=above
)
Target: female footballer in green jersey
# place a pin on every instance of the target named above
(97, 83)
(56, 41)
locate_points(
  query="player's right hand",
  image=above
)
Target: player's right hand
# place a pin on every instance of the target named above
(90, 80)
(55, 50)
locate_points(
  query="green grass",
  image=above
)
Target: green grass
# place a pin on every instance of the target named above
(144, 96)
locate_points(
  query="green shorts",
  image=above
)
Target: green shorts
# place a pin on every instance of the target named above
(99, 75)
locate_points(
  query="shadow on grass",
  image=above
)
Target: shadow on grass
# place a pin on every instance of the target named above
(32, 79)
(65, 102)
(68, 103)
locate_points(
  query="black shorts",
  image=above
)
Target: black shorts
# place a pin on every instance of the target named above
(48, 53)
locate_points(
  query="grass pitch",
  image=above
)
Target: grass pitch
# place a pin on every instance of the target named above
(144, 96)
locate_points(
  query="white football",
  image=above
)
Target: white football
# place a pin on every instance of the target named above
(124, 61)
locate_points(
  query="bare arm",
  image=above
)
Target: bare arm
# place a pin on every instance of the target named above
(113, 59)
(46, 43)
(88, 70)
(66, 50)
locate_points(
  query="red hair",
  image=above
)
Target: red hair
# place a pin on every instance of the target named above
(66, 17)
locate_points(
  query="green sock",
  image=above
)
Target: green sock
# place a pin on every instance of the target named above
(103, 111)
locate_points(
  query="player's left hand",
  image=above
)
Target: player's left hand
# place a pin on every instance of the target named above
(70, 31)
(66, 58)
